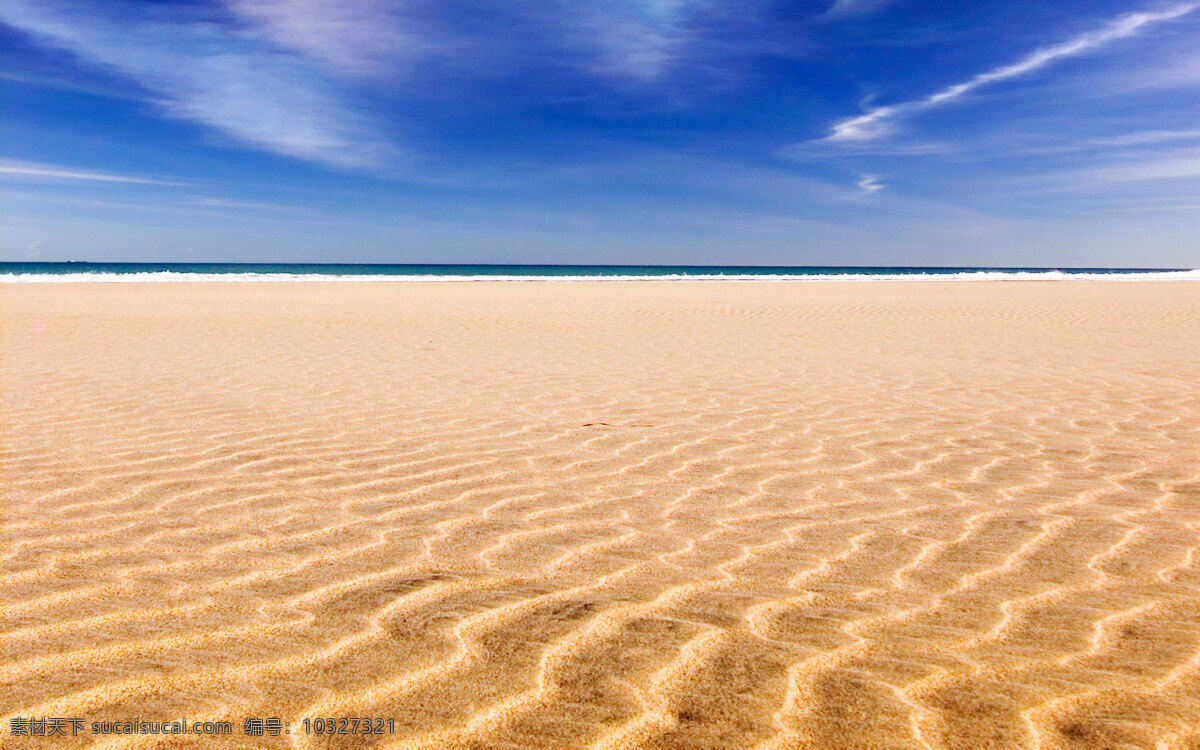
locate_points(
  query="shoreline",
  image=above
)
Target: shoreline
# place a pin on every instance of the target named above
(238, 277)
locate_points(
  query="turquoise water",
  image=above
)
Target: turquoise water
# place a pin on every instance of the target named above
(349, 271)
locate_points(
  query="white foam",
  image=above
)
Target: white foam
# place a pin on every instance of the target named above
(174, 276)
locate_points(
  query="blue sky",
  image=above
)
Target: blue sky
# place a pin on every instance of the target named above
(825, 132)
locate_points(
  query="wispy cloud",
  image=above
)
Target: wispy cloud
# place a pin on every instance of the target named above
(1176, 165)
(870, 184)
(639, 38)
(65, 84)
(1145, 137)
(844, 8)
(221, 77)
(23, 169)
(819, 150)
(1183, 73)
(877, 122)
(271, 74)
(354, 36)
(635, 39)
(226, 203)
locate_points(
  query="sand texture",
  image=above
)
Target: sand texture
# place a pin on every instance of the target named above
(606, 515)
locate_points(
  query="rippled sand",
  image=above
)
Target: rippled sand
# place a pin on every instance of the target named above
(561, 515)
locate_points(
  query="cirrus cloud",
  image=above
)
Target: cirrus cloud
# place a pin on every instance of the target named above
(878, 122)
(203, 71)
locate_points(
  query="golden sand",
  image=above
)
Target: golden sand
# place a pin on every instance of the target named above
(566, 515)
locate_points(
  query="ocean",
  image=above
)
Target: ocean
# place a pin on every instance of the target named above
(136, 272)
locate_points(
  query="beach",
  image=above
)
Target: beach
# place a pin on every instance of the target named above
(624, 514)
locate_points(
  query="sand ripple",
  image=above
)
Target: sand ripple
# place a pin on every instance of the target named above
(570, 515)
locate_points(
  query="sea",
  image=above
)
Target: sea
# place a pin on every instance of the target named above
(139, 272)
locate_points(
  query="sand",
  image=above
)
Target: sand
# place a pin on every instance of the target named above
(624, 514)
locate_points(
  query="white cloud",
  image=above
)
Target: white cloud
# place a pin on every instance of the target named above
(1171, 176)
(635, 39)
(819, 150)
(843, 8)
(355, 36)
(1173, 166)
(623, 38)
(870, 184)
(24, 169)
(1184, 73)
(225, 203)
(274, 77)
(877, 123)
(203, 72)
(1145, 137)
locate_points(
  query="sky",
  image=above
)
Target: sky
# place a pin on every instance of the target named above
(702, 132)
